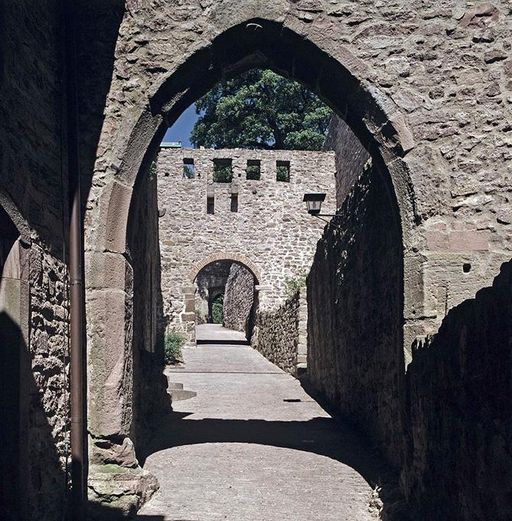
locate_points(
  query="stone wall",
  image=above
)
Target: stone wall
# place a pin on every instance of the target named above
(425, 88)
(280, 334)
(355, 306)
(459, 413)
(239, 299)
(33, 191)
(271, 228)
(351, 156)
(441, 420)
(148, 381)
(143, 394)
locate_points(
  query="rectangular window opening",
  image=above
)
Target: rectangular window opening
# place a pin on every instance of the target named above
(283, 171)
(234, 202)
(253, 170)
(210, 205)
(189, 170)
(222, 170)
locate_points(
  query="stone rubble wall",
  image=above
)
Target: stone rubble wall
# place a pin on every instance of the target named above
(147, 343)
(442, 71)
(48, 415)
(280, 334)
(459, 413)
(271, 228)
(355, 310)
(33, 189)
(351, 156)
(443, 422)
(239, 299)
(429, 88)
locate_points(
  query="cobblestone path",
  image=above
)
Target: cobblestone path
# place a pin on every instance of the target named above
(253, 446)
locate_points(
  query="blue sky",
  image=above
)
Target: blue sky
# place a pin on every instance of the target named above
(181, 129)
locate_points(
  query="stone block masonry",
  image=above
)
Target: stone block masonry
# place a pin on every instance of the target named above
(33, 191)
(261, 223)
(459, 415)
(426, 86)
(280, 335)
(355, 303)
(443, 420)
(239, 308)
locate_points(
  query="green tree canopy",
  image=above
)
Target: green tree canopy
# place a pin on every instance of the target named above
(260, 109)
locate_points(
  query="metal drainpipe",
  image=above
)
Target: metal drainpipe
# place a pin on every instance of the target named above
(79, 460)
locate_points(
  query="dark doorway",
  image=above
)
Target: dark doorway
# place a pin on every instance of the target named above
(216, 309)
(10, 341)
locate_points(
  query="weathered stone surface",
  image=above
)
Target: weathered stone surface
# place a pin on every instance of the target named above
(271, 233)
(145, 350)
(351, 156)
(355, 307)
(31, 192)
(458, 461)
(239, 296)
(121, 490)
(280, 335)
(442, 63)
(448, 406)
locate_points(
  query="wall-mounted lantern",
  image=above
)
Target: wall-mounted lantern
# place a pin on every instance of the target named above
(314, 202)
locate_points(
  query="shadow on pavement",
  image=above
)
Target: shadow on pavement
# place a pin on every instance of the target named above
(97, 512)
(322, 436)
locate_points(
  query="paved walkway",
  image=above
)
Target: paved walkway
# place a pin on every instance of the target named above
(253, 446)
(216, 333)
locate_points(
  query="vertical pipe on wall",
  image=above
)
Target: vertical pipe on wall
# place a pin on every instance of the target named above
(77, 298)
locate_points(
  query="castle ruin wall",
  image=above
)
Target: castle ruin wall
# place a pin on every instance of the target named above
(271, 227)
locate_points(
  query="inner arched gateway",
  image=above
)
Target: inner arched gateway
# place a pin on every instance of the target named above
(114, 385)
(226, 295)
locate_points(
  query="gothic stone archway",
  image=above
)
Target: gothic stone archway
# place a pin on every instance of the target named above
(298, 49)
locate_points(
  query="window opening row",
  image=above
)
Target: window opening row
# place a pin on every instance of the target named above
(223, 170)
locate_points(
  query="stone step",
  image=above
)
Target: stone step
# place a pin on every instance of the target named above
(173, 386)
(178, 395)
(222, 342)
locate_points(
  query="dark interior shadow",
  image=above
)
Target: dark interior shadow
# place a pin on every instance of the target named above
(459, 413)
(97, 33)
(322, 436)
(33, 484)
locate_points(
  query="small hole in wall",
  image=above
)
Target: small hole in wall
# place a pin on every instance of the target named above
(234, 202)
(466, 267)
(210, 205)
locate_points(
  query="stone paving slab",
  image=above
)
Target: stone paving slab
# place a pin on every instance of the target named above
(217, 333)
(253, 446)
